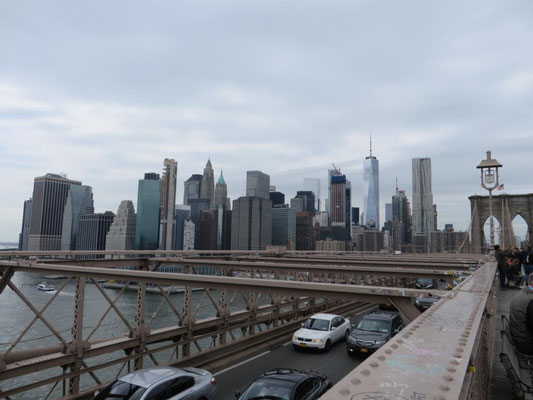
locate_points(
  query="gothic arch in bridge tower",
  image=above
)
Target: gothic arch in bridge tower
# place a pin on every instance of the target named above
(505, 208)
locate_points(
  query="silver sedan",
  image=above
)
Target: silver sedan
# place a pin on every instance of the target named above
(162, 383)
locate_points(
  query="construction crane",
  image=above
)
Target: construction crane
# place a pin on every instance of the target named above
(336, 169)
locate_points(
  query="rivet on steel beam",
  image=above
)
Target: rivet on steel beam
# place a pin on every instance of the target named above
(381, 357)
(344, 391)
(355, 381)
(453, 361)
(444, 387)
(365, 372)
(374, 364)
(400, 341)
(448, 378)
(459, 350)
(457, 355)
(388, 351)
(394, 346)
(451, 369)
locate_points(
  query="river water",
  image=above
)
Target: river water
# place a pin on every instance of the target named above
(15, 315)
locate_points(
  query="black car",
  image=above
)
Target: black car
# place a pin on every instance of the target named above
(426, 283)
(287, 384)
(373, 331)
(423, 303)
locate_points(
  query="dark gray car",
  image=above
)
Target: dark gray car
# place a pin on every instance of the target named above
(162, 383)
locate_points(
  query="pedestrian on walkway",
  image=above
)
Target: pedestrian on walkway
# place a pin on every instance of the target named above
(502, 265)
(521, 318)
(528, 262)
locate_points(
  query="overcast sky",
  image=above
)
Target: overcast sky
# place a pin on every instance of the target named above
(105, 90)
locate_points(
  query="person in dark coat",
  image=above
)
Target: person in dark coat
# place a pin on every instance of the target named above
(502, 265)
(521, 318)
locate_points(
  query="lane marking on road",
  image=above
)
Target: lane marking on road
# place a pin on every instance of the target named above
(241, 363)
(286, 344)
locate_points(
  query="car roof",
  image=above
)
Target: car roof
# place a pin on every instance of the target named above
(386, 315)
(149, 376)
(329, 317)
(287, 374)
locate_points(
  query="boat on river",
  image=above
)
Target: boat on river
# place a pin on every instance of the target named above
(45, 287)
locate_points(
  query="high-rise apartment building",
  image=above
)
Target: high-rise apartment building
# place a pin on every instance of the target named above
(92, 231)
(207, 189)
(257, 184)
(24, 236)
(168, 204)
(313, 185)
(423, 215)
(221, 193)
(337, 200)
(148, 212)
(50, 194)
(371, 190)
(251, 223)
(121, 235)
(79, 202)
(284, 227)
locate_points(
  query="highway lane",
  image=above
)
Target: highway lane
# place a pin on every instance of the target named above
(336, 364)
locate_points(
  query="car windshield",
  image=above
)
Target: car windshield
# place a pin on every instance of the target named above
(121, 390)
(425, 281)
(374, 325)
(274, 389)
(317, 324)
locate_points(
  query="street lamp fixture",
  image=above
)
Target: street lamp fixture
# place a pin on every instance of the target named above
(490, 181)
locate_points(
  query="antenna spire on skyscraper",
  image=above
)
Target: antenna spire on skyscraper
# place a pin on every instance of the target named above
(370, 144)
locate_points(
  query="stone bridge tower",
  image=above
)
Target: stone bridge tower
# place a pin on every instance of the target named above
(504, 208)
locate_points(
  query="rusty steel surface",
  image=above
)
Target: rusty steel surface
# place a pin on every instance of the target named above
(310, 289)
(370, 261)
(432, 357)
(447, 276)
(321, 281)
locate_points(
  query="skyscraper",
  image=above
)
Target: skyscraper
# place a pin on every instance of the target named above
(371, 190)
(337, 200)
(192, 188)
(313, 185)
(92, 231)
(257, 184)
(182, 214)
(121, 235)
(221, 193)
(251, 223)
(79, 202)
(284, 227)
(423, 214)
(148, 212)
(308, 198)
(401, 231)
(207, 190)
(168, 204)
(49, 197)
(25, 231)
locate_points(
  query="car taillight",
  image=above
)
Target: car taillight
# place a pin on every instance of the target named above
(213, 381)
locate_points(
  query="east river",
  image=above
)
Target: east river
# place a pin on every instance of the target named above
(15, 315)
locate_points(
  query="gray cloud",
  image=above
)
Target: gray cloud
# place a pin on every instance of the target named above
(105, 90)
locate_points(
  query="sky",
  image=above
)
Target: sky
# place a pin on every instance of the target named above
(103, 91)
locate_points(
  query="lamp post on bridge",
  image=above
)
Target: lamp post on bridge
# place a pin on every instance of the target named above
(490, 181)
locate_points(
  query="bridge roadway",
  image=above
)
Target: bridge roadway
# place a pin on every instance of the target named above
(336, 364)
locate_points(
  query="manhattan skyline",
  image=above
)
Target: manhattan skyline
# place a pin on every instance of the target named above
(283, 89)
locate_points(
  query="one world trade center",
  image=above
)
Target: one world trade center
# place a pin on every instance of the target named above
(371, 190)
